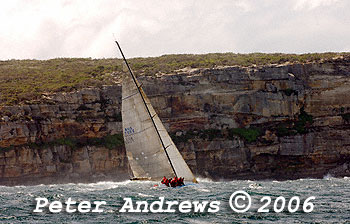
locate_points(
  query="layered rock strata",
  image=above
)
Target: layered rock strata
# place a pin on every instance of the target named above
(269, 122)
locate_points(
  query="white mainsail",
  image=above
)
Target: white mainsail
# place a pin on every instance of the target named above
(150, 151)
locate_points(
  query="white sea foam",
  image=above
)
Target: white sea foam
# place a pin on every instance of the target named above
(99, 186)
(255, 186)
(144, 195)
(328, 177)
(197, 221)
(202, 189)
(206, 180)
(103, 183)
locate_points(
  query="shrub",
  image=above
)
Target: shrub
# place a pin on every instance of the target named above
(108, 141)
(304, 120)
(112, 141)
(289, 91)
(282, 131)
(248, 134)
(210, 134)
(346, 117)
(72, 143)
(184, 137)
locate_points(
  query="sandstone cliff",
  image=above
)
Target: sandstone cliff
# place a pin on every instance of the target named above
(278, 121)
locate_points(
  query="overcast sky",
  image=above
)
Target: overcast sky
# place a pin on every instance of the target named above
(43, 29)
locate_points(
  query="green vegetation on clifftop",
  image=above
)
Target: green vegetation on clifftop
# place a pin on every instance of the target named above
(22, 81)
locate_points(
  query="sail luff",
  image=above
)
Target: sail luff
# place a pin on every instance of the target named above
(143, 99)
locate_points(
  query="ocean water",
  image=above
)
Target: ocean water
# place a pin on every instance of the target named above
(331, 203)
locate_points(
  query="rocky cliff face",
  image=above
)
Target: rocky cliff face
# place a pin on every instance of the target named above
(70, 137)
(278, 121)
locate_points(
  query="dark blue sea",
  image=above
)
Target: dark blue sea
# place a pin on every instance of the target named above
(330, 205)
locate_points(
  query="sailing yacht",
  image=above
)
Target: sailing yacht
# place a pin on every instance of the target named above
(151, 152)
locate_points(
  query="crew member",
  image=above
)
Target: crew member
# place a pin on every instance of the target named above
(165, 181)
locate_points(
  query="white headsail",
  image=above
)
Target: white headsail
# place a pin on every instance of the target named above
(151, 152)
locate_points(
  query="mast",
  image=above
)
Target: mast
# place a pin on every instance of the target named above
(144, 102)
